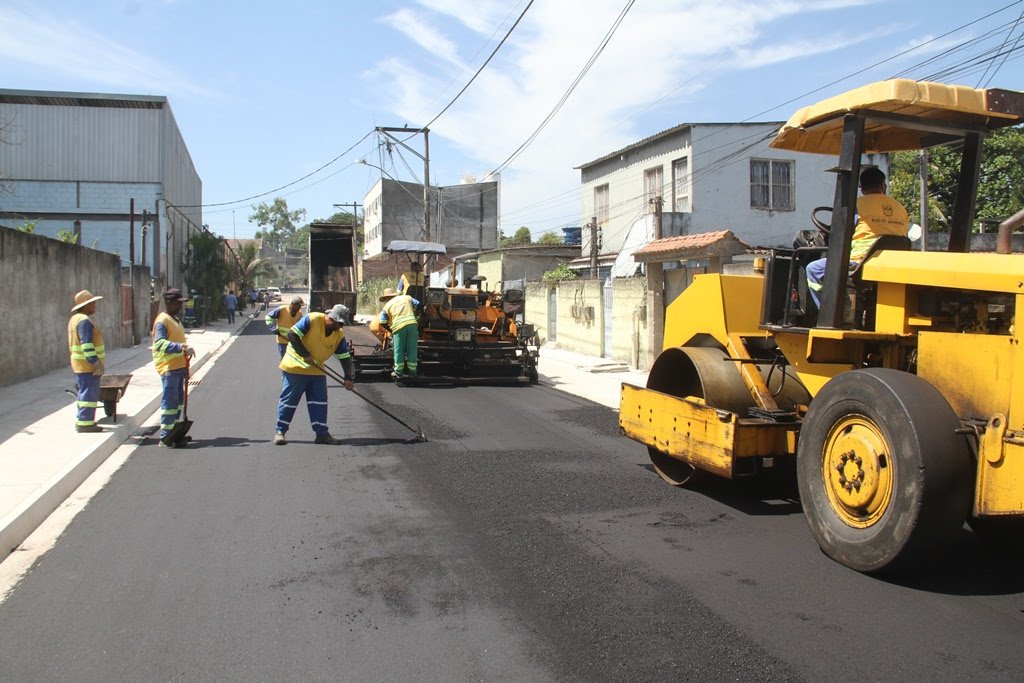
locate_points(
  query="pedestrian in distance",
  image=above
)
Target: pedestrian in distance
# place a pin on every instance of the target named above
(170, 356)
(85, 344)
(398, 316)
(311, 342)
(231, 303)
(253, 296)
(281, 319)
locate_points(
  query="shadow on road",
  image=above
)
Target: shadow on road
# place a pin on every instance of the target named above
(765, 495)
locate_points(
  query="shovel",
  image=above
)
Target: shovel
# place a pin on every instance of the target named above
(420, 436)
(178, 433)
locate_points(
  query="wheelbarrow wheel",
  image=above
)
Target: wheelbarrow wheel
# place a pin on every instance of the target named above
(109, 408)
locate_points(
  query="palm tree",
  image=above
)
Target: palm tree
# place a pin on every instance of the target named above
(246, 267)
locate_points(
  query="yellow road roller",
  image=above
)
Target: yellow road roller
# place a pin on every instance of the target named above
(899, 399)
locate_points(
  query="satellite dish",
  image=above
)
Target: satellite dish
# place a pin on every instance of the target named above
(914, 233)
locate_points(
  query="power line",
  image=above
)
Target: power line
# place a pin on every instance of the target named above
(572, 87)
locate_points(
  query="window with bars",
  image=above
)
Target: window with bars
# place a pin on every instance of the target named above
(772, 184)
(601, 204)
(653, 181)
(681, 185)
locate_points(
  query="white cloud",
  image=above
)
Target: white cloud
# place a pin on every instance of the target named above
(416, 27)
(672, 46)
(55, 44)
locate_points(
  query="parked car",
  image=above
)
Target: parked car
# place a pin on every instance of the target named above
(273, 294)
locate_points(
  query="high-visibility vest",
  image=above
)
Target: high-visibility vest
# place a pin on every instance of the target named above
(282, 322)
(877, 214)
(411, 279)
(399, 312)
(80, 352)
(320, 345)
(165, 359)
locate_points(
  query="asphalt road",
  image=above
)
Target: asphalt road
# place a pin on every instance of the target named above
(525, 541)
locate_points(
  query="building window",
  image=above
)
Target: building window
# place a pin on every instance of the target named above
(601, 204)
(681, 185)
(772, 184)
(653, 181)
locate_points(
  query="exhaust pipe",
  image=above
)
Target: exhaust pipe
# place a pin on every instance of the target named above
(1004, 239)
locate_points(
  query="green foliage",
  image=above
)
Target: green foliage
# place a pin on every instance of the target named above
(28, 226)
(522, 236)
(1000, 181)
(246, 269)
(368, 294)
(67, 236)
(207, 272)
(550, 237)
(560, 272)
(277, 223)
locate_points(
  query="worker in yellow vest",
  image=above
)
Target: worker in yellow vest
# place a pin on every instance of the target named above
(170, 354)
(398, 316)
(85, 342)
(281, 319)
(411, 278)
(311, 342)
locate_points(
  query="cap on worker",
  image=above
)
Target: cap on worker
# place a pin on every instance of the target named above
(84, 298)
(174, 295)
(297, 300)
(388, 293)
(339, 313)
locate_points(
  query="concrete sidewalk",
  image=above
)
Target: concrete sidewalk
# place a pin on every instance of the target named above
(43, 459)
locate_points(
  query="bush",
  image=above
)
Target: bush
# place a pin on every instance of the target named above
(368, 295)
(561, 272)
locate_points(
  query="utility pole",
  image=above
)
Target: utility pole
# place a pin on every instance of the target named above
(593, 246)
(387, 131)
(923, 161)
(657, 201)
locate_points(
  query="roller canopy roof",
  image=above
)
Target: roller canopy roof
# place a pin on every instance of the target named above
(412, 247)
(901, 114)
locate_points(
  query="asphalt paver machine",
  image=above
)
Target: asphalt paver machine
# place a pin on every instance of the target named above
(900, 403)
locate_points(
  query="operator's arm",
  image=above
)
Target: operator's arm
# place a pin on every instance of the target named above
(385, 319)
(164, 345)
(344, 356)
(271, 321)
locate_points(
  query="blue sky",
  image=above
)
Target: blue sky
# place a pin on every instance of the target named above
(265, 93)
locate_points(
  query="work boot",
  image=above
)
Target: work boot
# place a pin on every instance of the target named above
(88, 429)
(326, 440)
(167, 443)
(279, 439)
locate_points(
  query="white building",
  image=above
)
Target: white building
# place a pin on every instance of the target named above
(711, 177)
(74, 163)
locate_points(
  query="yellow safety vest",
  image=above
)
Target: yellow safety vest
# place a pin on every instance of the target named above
(167, 360)
(79, 351)
(877, 214)
(411, 279)
(320, 345)
(285, 320)
(400, 312)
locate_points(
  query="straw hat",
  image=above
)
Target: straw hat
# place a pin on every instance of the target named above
(387, 294)
(84, 298)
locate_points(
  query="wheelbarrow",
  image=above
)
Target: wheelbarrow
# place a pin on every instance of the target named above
(112, 388)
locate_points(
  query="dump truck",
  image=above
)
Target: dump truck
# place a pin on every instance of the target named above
(899, 403)
(332, 266)
(467, 334)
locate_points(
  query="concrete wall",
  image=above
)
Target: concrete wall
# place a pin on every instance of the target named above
(580, 316)
(537, 294)
(39, 279)
(629, 321)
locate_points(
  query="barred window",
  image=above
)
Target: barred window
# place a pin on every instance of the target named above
(653, 180)
(772, 185)
(681, 185)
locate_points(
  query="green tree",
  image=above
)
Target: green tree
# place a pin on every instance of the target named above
(522, 236)
(550, 237)
(1000, 181)
(246, 268)
(207, 272)
(560, 272)
(277, 223)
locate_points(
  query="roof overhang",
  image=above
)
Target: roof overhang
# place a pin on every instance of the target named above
(685, 247)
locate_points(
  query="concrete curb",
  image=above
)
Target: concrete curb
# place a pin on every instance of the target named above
(19, 524)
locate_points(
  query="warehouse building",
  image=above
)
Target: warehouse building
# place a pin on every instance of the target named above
(79, 163)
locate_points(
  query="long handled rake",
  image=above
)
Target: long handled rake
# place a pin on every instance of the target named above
(420, 436)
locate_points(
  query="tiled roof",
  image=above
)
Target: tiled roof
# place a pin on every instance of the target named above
(700, 245)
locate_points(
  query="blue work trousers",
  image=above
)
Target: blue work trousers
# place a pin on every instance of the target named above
(88, 398)
(293, 386)
(172, 401)
(281, 348)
